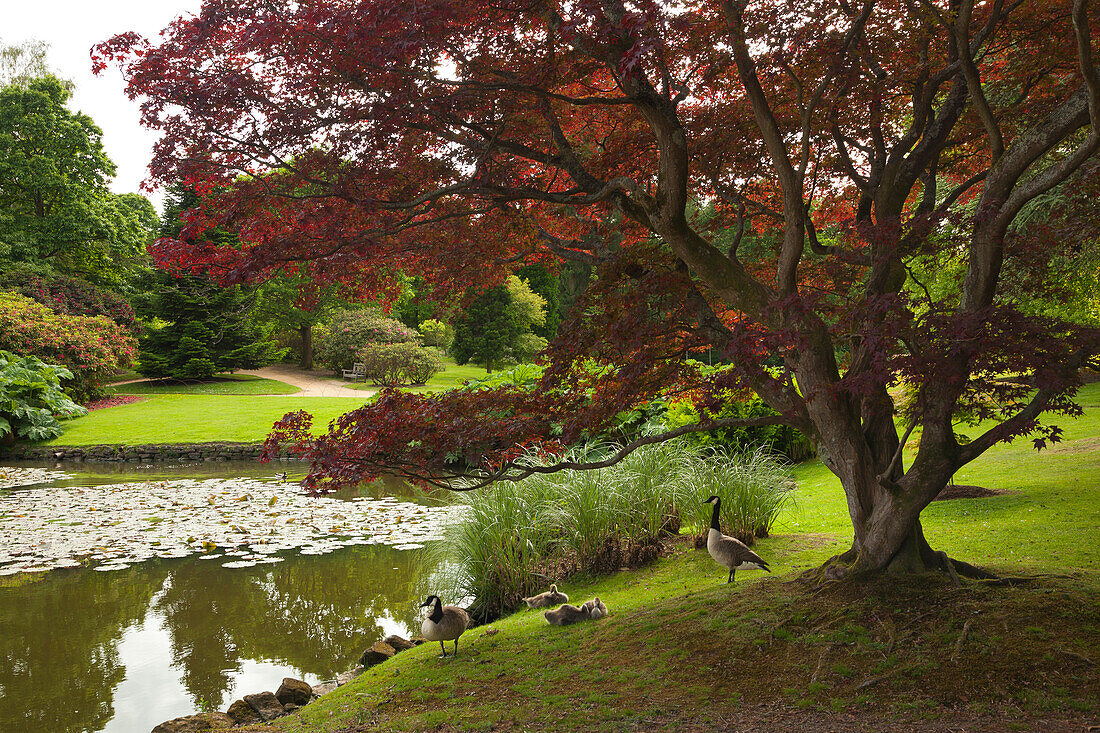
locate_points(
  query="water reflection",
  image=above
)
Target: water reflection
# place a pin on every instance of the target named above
(169, 637)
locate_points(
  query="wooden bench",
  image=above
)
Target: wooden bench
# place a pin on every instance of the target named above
(356, 372)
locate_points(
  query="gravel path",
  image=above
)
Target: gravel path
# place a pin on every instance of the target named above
(310, 382)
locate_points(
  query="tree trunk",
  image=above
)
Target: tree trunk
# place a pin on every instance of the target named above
(306, 332)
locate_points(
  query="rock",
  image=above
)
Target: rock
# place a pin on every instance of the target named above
(290, 708)
(243, 714)
(345, 677)
(378, 653)
(266, 704)
(323, 688)
(194, 723)
(399, 643)
(219, 720)
(294, 692)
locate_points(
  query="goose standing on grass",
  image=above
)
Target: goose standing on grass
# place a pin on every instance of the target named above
(729, 551)
(444, 623)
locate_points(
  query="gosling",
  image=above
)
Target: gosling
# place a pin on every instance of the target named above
(595, 608)
(567, 614)
(544, 600)
(444, 623)
(729, 551)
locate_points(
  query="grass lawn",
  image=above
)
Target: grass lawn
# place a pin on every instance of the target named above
(684, 652)
(221, 384)
(195, 419)
(452, 376)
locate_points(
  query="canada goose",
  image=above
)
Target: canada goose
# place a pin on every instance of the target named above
(544, 600)
(444, 623)
(729, 551)
(565, 615)
(595, 608)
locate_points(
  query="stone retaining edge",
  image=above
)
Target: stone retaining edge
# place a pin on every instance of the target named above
(207, 452)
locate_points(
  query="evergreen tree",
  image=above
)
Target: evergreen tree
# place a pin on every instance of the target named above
(486, 331)
(208, 328)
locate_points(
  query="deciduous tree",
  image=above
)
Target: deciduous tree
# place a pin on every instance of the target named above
(55, 208)
(840, 139)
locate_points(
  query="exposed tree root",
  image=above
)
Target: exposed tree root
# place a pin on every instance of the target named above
(846, 567)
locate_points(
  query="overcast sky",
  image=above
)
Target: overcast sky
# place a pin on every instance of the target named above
(72, 27)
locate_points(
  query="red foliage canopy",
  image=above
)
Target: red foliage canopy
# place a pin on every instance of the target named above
(756, 176)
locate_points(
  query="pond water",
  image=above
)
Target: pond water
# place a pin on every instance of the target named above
(131, 598)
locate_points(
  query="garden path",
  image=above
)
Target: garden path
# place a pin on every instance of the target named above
(312, 383)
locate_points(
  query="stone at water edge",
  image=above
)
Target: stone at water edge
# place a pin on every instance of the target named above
(378, 653)
(266, 704)
(242, 713)
(345, 677)
(294, 692)
(194, 723)
(323, 688)
(399, 643)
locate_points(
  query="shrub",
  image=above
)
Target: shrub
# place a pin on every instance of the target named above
(351, 330)
(91, 347)
(525, 376)
(527, 345)
(781, 439)
(30, 396)
(69, 296)
(395, 365)
(436, 333)
(515, 538)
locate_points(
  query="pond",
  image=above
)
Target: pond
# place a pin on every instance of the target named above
(131, 598)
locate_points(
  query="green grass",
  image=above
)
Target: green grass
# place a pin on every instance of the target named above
(1011, 531)
(165, 419)
(683, 651)
(452, 376)
(221, 384)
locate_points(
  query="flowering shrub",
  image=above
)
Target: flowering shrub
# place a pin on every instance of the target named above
(394, 365)
(89, 346)
(69, 296)
(352, 330)
(31, 396)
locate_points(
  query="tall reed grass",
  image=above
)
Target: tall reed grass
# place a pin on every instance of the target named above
(753, 486)
(517, 537)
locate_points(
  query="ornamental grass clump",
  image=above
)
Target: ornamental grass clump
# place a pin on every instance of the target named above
(753, 486)
(517, 538)
(497, 552)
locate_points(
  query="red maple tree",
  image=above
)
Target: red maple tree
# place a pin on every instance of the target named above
(839, 138)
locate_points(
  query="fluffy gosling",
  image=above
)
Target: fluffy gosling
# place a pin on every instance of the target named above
(595, 608)
(544, 600)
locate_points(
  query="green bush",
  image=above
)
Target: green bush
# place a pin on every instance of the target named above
(30, 397)
(780, 439)
(515, 538)
(350, 331)
(91, 347)
(436, 333)
(396, 365)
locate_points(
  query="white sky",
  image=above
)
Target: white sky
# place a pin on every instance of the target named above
(72, 27)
